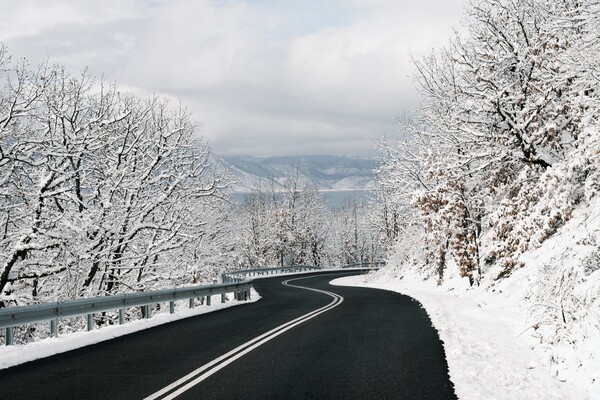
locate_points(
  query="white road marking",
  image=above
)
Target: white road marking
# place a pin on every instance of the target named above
(227, 358)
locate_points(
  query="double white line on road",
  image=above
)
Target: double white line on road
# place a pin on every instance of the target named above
(195, 377)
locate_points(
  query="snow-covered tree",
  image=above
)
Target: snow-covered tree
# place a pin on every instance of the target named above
(294, 226)
(357, 234)
(498, 139)
(100, 191)
(257, 228)
(286, 227)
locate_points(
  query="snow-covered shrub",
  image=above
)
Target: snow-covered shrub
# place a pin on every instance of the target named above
(539, 206)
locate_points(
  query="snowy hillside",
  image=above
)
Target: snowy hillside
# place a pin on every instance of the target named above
(497, 188)
(532, 335)
(328, 172)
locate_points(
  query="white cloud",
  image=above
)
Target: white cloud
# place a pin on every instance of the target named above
(31, 17)
(264, 77)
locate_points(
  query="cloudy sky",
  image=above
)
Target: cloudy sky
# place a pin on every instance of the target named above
(264, 77)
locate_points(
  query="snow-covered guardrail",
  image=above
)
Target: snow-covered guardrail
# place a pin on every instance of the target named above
(371, 265)
(14, 316)
(242, 274)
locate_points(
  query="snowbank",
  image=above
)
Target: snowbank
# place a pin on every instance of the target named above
(532, 335)
(489, 345)
(19, 354)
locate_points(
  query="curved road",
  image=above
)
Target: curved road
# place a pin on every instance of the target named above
(303, 340)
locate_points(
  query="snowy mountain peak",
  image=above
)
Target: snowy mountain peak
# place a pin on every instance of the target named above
(328, 172)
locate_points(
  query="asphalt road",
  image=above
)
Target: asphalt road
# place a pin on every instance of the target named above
(333, 343)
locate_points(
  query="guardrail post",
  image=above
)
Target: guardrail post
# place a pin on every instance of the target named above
(208, 300)
(172, 307)
(121, 316)
(223, 297)
(192, 302)
(148, 312)
(90, 322)
(9, 336)
(53, 328)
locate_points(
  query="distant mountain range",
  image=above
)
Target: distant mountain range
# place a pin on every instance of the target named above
(330, 173)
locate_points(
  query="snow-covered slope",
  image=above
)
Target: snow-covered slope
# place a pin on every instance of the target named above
(532, 335)
(490, 351)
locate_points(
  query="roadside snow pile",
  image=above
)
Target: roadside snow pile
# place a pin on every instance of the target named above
(532, 335)
(490, 350)
(19, 354)
(560, 285)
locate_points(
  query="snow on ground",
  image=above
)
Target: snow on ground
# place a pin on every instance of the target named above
(19, 354)
(561, 287)
(489, 345)
(532, 335)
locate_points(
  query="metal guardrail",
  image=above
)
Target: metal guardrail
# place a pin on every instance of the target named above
(233, 281)
(14, 316)
(371, 265)
(240, 274)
